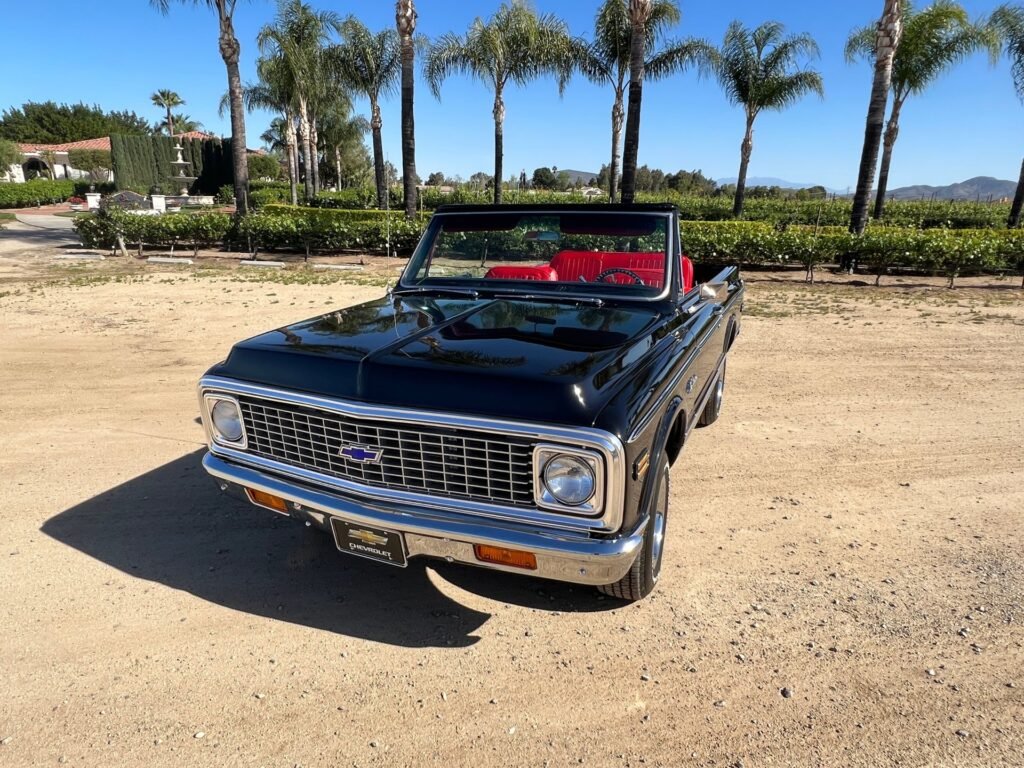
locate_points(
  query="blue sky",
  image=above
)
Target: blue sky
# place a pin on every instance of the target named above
(116, 52)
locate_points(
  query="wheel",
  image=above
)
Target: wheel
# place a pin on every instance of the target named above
(714, 404)
(643, 574)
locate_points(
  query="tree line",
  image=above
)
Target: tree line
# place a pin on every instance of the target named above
(312, 62)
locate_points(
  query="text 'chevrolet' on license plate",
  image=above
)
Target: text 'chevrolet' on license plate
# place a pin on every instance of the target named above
(373, 543)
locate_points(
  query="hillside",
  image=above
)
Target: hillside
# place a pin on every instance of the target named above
(980, 187)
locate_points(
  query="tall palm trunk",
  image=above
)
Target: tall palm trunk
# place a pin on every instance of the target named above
(1018, 201)
(307, 151)
(889, 30)
(337, 164)
(405, 19)
(618, 116)
(170, 123)
(746, 147)
(229, 51)
(892, 132)
(314, 145)
(499, 142)
(378, 153)
(293, 160)
(639, 13)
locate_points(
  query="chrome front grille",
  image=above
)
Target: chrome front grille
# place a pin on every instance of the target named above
(418, 458)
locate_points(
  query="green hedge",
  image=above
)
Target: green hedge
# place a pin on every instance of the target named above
(143, 162)
(35, 192)
(943, 251)
(196, 230)
(307, 229)
(939, 214)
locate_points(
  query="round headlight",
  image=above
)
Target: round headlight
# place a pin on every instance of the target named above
(569, 479)
(227, 421)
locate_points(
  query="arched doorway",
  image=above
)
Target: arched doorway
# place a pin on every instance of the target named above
(36, 167)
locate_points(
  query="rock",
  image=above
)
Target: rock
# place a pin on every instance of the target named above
(645, 678)
(494, 701)
(786, 693)
(6, 740)
(198, 735)
(374, 744)
(720, 703)
(930, 672)
(962, 733)
(258, 695)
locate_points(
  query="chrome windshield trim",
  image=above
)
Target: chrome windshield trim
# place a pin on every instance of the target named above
(670, 267)
(606, 444)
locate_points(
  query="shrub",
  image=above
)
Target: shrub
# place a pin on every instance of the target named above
(264, 167)
(172, 229)
(35, 192)
(310, 229)
(261, 197)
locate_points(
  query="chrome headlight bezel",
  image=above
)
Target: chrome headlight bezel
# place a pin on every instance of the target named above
(210, 400)
(543, 455)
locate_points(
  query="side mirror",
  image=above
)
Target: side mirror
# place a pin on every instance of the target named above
(716, 292)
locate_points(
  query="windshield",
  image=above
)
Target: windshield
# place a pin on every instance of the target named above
(601, 253)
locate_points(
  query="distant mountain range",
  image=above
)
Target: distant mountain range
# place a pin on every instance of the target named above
(980, 187)
(586, 177)
(769, 181)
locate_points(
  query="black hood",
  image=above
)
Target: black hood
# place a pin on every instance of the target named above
(520, 359)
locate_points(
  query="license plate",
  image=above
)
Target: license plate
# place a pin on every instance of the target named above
(371, 543)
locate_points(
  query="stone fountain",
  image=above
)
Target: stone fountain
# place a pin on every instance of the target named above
(179, 177)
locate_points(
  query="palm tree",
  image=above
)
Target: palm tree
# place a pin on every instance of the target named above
(887, 40)
(298, 38)
(342, 134)
(370, 64)
(167, 100)
(229, 51)
(639, 16)
(405, 22)
(1008, 20)
(934, 40)
(759, 69)
(275, 92)
(606, 60)
(514, 45)
(181, 124)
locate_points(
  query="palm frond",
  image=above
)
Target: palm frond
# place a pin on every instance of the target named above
(679, 55)
(1008, 22)
(764, 68)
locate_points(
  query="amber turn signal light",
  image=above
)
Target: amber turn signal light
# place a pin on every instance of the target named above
(268, 500)
(501, 556)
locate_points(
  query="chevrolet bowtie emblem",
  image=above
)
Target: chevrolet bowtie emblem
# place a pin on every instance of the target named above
(367, 537)
(360, 454)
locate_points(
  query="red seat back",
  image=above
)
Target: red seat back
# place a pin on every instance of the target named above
(572, 265)
(540, 272)
(686, 273)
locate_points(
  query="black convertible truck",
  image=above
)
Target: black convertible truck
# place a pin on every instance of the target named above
(514, 402)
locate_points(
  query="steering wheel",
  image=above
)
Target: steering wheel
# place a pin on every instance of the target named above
(619, 271)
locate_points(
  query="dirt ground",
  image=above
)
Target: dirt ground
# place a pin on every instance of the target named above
(844, 578)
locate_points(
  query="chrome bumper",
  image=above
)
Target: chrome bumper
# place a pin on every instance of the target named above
(561, 555)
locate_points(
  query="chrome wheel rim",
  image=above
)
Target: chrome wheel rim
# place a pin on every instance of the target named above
(658, 532)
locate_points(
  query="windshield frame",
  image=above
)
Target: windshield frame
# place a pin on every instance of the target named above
(537, 289)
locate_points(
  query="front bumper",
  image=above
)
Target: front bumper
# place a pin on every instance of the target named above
(561, 555)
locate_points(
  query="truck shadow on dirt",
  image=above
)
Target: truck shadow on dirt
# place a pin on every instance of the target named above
(172, 526)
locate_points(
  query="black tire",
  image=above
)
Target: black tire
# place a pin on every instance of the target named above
(713, 407)
(643, 575)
